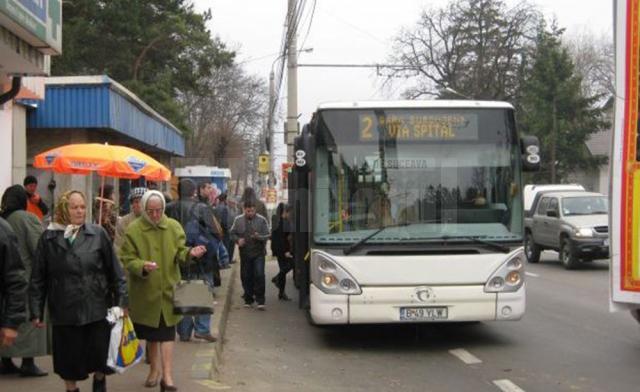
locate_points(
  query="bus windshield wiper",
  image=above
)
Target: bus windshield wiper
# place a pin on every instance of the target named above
(476, 240)
(363, 240)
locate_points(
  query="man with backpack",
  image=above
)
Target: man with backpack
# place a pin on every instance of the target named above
(192, 215)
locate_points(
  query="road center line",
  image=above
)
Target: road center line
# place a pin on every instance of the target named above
(531, 274)
(465, 356)
(507, 386)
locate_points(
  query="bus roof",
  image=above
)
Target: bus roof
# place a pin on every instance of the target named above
(417, 104)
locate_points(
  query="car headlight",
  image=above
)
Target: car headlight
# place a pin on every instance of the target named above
(329, 277)
(509, 277)
(584, 232)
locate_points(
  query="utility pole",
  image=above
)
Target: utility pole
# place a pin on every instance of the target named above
(272, 99)
(292, 81)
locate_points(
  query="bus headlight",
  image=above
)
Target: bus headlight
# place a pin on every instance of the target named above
(497, 283)
(509, 277)
(329, 277)
(329, 281)
(513, 278)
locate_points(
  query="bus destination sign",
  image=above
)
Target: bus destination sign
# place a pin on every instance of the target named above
(418, 127)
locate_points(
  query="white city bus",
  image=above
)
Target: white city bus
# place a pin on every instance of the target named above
(411, 211)
(625, 162)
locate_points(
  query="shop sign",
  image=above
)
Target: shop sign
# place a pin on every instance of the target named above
(38, 22)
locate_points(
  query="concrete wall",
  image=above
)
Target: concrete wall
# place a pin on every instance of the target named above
(6, 145)
(593, 181)
(19, 164)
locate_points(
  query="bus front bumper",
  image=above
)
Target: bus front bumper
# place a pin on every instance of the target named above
(378, 305)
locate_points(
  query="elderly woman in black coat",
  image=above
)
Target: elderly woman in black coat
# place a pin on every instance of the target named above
(78, 275)
(31, 342)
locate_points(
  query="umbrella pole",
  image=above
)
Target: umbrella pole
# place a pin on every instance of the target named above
(101, 198)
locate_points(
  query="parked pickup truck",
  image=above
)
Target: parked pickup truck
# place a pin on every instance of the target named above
(574, 223)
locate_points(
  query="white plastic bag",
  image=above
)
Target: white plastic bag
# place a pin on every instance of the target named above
(125, 350)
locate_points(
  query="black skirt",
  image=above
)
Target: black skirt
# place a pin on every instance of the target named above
(151, 334)
(79, 350)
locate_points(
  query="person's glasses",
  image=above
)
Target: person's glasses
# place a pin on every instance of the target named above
(154, 211)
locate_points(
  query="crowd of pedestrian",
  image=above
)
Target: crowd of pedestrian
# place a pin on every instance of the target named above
(60, 274)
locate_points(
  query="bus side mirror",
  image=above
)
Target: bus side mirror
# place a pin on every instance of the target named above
(530, 149)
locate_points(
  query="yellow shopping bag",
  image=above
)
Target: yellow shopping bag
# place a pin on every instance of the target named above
(125, 349)
(130, 349)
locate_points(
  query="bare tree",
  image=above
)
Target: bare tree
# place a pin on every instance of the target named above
(475, 47)
(227, 118)
(594, 59)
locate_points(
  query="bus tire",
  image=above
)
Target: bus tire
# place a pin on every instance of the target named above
(531, 249)
(567, 257)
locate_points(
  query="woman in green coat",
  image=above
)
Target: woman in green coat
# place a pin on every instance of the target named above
(32, 342)
(153, 247)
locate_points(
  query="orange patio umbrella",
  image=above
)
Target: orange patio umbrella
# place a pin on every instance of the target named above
(103, 159)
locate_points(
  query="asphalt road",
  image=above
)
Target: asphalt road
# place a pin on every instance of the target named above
(567, 341)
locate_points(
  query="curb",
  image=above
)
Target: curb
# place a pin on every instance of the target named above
(221, 316)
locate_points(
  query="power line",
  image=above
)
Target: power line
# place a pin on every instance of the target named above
(355, 65)
(313, 12)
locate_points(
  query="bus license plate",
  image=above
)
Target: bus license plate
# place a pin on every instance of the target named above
(424, 314)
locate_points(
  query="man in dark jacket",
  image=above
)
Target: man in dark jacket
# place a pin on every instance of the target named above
(13, 286)
(225, 217)
(186, 209)
(251, 232)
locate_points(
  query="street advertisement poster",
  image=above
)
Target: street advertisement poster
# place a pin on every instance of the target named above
(286, 169)
(625, 179)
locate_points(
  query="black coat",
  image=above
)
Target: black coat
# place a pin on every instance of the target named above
(280, 236)
(13, 281)
(78, 281)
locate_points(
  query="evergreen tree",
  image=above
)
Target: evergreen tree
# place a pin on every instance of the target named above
(160, 49)
(555, 109)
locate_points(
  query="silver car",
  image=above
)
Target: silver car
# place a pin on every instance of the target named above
(575, 224)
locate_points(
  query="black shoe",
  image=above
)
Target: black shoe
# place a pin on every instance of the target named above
(164, 387)
(283, 297)
(31, 370)
(275, 282)
(8, 367)
(99, 385)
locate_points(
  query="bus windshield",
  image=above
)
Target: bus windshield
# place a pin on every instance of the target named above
(431, 174)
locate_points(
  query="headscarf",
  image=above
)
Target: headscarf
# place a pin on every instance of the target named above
(145, 200)
(62, 217)
(13, 199)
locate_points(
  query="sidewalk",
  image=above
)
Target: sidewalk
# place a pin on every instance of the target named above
(195, 362)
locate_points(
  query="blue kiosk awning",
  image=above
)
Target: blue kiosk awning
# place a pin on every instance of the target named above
(101, 103)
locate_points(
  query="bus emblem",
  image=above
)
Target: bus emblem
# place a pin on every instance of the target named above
(425, 294)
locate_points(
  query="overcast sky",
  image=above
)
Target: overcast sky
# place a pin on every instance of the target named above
(352, 32)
